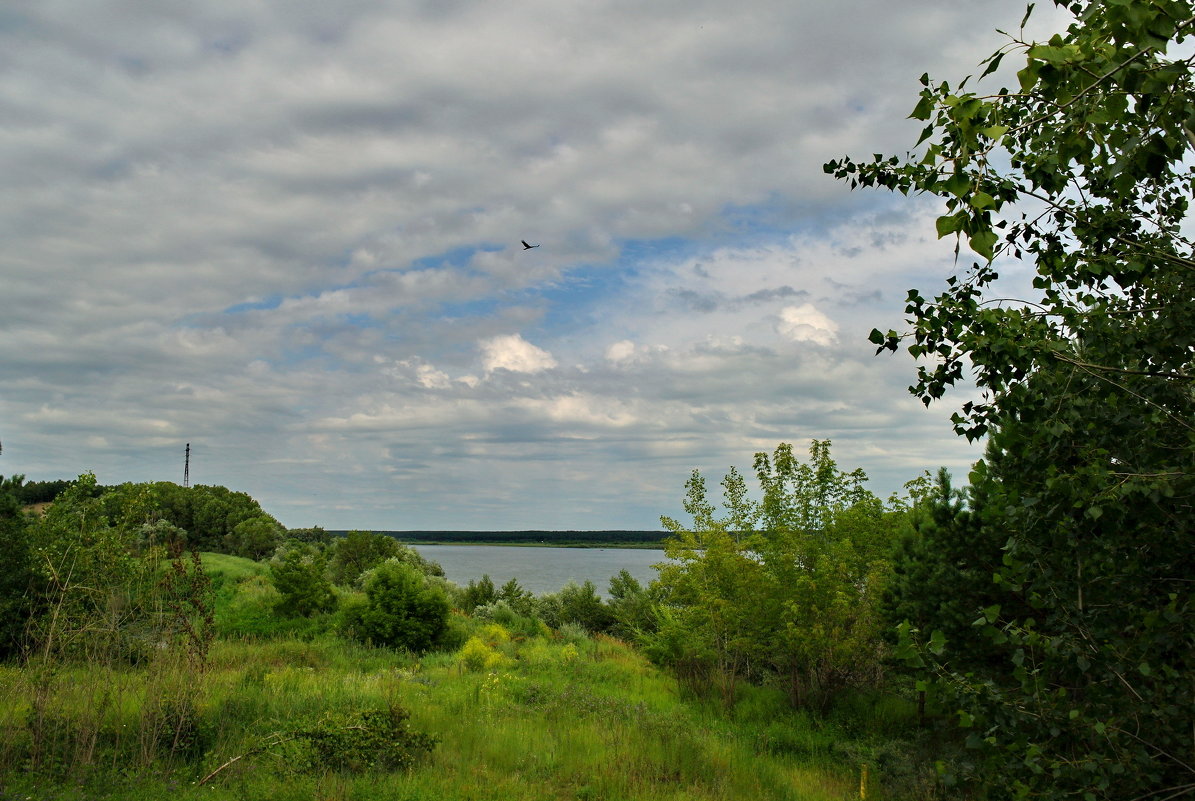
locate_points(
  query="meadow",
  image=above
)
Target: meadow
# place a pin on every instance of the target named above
(277, 711)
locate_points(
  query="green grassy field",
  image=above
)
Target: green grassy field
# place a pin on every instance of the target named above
(546, 720)
(551, 715)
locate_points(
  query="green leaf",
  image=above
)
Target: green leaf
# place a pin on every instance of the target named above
(993, 64)
(958, 184)
(982, 200)
(984, 243)
(1028, 76)
(950, 224)
(924, 108)
(1049, 53)
(937, 643)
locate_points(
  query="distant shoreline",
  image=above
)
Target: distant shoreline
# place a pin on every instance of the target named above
(529, 538)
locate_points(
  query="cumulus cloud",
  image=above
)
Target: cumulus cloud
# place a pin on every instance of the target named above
(805, 323)
(626, 354)
(512, 352)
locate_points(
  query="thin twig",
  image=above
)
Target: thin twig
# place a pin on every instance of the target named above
(278, 740)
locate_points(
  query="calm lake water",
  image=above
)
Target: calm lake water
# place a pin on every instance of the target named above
(542, 570)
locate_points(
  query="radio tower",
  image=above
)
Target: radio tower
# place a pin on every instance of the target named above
(187, 467)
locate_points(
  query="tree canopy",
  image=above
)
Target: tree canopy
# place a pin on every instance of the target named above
(1083, 170)
(780, 590)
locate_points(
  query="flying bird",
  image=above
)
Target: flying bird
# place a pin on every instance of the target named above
(526, 246)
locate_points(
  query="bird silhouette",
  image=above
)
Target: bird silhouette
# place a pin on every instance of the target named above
(526, 246)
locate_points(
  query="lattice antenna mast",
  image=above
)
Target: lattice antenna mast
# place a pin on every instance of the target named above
(187, 467)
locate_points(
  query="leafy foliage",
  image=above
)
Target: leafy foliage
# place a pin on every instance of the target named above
(581, 604)
(254, 538)
(943, 567)
(402, 609)
(209, 515)
(1094, 139)
(631, 606)
(478, 593)
(477, 655)
(782, 589)
(299, 573)
(360, 551)
(16, 568)
(365, 740)
(95, 591)
(1088, 396)
(189, 601)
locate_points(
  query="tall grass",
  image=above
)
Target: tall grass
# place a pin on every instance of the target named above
(550, 716)
(598, 724)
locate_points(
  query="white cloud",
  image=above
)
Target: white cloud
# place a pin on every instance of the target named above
(512, 352)
(431, 378)
(805, 323)
(625, 352)
(287, 232)
(621, 351)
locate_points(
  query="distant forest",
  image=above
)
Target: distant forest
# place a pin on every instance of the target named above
(33, 492)
(593, 539)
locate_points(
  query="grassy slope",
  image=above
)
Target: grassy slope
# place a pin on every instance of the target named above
(545, 722)
(545, 718)
(230, 568)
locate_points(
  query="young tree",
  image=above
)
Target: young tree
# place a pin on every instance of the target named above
(1083, 169)
(630, 606)
(942, 568)
(580, 604)
(359, 551)
(255, 538)
(299, 573)
(402, 609)
(93, 587)
(478, 593)
(16, 569)
(520, 601)
(784, 588)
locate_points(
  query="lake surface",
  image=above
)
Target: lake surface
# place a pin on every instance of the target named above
(542, 569)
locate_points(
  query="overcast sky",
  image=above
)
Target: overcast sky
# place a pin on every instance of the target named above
(288, 233)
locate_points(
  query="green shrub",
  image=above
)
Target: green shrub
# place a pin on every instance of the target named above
(478, 593)
(365, 740)
(299, 575)
(360, 551)
(581, 604)
(402, 609)
(16, 568)
(254, 538)
(477, 656)
(521, 626)
(573, 634)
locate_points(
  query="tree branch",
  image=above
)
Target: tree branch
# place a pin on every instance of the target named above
(1121, 370)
